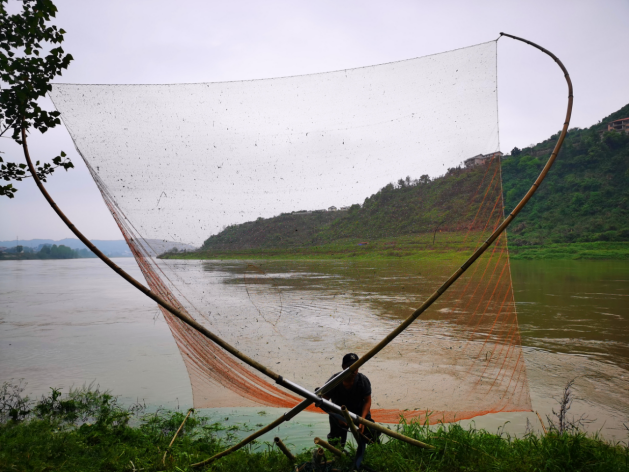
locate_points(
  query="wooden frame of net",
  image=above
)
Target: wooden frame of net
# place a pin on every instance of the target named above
(310, 397)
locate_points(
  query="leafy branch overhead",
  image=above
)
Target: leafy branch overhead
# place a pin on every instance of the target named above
(30, 58)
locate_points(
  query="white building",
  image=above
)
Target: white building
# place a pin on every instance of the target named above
(481, 159)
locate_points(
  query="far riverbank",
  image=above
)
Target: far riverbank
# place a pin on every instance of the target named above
(411, 248)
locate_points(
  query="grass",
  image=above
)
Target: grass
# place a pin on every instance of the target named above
(446, 245)
(459, 449)
(88, 430)
(599, 250)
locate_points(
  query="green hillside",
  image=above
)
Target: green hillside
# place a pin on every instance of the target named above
(285, 230)
(585, 195)
(583, 203)
(416, 207)
(409, 207)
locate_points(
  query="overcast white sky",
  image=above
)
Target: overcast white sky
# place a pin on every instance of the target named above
(207, 41)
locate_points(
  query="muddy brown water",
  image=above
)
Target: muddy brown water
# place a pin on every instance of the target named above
(72, 322)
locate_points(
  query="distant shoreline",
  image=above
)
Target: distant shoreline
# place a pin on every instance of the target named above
(384, 250)
(405, 250)
(9, 258)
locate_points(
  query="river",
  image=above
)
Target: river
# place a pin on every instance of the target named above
(74, 322)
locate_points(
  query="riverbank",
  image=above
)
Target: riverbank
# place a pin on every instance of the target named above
(451, 246)
(89, 430)
(22, 253)
(599, 250)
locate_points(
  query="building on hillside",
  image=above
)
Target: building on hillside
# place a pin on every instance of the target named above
(481, 159)
(346, 208)
(332, 208)
(620, 125)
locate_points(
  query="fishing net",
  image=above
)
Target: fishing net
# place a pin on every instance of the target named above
(360, 184)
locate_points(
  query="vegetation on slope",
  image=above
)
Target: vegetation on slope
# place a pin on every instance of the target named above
(285, 230)
(411, 207)
(89, 430)
(435, 246)
(585, 196)
(580, 210)
(419, 207)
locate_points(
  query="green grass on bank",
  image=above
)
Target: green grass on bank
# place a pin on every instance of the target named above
(439, 246)
(585, 196)
(584, 199)
(89, 430)
(599, 250)
(444, 245)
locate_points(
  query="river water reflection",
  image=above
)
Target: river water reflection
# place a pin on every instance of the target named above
(65, 323)
(574, 307)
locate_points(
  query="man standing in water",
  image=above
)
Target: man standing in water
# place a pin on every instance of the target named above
(355, 392)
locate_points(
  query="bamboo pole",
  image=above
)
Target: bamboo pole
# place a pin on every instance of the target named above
(319, 456)
(405, 324)
(394, 434)
(153, 296)
(351, 425)
(190, 410)
(177, 313)
(389, 338)
(330, 406)
(310, 398)
(250, 438)
(284, 449)
(330, 447)
(541, 423)
(244, 442)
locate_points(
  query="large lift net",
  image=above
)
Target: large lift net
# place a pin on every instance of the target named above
(284, 167)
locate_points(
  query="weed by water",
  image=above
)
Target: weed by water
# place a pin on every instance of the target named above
(89, 430)
(479, 450)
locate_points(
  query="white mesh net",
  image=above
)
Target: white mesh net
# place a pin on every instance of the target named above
(187, 161)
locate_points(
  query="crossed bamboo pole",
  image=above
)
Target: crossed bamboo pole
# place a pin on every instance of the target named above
(182, 316)
(391, 336)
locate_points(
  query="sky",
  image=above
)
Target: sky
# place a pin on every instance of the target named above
(152, 42)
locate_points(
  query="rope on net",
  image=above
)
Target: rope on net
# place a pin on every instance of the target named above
(311, 398)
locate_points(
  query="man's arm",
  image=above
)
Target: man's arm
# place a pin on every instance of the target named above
(367, 404)
(343, 423)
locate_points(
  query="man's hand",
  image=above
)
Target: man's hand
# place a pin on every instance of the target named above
(367, 403)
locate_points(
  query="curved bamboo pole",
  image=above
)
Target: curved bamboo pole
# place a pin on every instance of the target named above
(153, 296)
(405, 324)
(261, 368)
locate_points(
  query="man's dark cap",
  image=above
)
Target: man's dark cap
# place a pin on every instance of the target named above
(349, 359)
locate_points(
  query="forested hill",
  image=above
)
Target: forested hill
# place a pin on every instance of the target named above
(409, 207)
(584, 198)
(585, 195)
